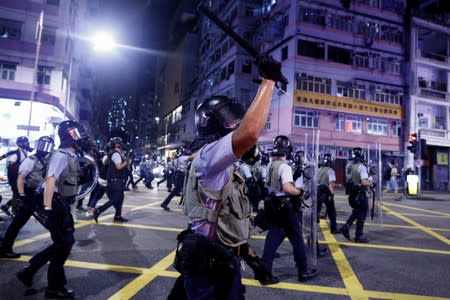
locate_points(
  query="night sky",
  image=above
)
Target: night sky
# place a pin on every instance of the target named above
(136, 23)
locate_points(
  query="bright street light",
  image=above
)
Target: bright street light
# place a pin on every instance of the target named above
(103, 42)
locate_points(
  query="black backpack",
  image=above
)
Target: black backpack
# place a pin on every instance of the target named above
(387, 174)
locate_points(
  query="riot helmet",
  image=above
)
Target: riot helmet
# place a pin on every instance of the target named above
(44, 145)
(357, 154)
(282, 146)
(327, 160)
(252, 155)
(215, 117)
(72, 134)
(22, 142)
(265, 159)
(299, 158)
(115, 142)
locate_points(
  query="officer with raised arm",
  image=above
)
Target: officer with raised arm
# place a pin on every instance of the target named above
(218, 210)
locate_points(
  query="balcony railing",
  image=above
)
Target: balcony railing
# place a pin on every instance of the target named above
(436, 133)
(431, 93)
(433, 56)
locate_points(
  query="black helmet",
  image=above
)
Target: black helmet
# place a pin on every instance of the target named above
(357, 154)
(44, 145)
(299, 158)
(327, 160)
(215, 117)
(282, 146)
(182, 151)
(252, 155)
(22, 142)
(114, 142)
(265, 159)
(72, 134)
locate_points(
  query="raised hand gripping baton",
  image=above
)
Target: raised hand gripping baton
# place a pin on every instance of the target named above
(237, 38)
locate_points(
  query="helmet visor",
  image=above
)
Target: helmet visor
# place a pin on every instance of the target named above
(45, 145)
(230, 115)
(75, 133)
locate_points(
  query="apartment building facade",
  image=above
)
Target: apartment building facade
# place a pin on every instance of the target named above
(63, 86)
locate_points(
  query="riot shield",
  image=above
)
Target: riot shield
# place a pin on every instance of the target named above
(309, 208)
(374, 167)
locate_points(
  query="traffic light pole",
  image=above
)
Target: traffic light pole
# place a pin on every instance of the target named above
(419, 171)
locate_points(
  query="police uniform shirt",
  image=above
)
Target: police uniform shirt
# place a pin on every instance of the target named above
(331, 175)
(285, 173)
(14, 158)
(26, 166)
(116, 158)
(57, 163)
(244, 169)
(181, 163)
(362, 170)
(213, 169)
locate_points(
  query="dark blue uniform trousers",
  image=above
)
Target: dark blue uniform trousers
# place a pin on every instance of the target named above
(62, 234)
(115, 193)
(178, 188)
(291, 229)
(359, 213)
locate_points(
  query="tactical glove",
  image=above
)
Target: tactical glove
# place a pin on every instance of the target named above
(269, 68)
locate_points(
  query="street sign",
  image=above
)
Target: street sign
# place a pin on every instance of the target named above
(29, 128)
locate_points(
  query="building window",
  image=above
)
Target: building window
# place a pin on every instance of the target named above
(312, 16)
(230, 68)
(340, 121)
(311, 49)
(7, 71)
(339, 55)
(390, 64)
(389, 96)
(53, 2)
(396, 128)
(43, 76)
(313, 84)
(350, 90)
(268, 125)
(246, 67)
(377, 127)
(10, 29)
(306, 119)
(49, 36)
(284, 53)
(353, 124)
(361, 60)
(343, 23)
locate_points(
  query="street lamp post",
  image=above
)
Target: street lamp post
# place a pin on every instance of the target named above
(39, 27)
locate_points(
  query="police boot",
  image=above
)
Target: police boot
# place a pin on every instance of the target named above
(26, 276)
(307, 275)
(262, 274)
(345, 230)
(361, 239)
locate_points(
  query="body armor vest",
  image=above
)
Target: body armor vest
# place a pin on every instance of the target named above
(67, 183)
(37, 174)
(273, 176)
(355, 177)
(231, 214)
(322, 176)
(113, 172)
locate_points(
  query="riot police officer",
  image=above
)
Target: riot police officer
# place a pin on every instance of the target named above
(246, 163)
(214, 201)
(117, 175)
(283, 209)
(326, 179)
(180, 164)
(357, 184)
(31, 175)
(15, 158)
(60, 189)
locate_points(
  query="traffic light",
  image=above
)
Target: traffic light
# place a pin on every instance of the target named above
(423, 148)
(413, 147)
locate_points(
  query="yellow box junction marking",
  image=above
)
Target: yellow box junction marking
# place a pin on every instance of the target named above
(414, 223)
(419, 209)
(351, 282)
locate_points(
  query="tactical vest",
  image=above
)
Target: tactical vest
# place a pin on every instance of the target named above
(232, 212)
(355, 177)
(37, 174)
(113, 172)
(322, 176)
(273, 176)
(67, 183)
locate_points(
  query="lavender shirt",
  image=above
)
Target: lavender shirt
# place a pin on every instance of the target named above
(213, 169)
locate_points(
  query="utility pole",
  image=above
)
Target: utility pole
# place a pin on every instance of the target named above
(39, 28)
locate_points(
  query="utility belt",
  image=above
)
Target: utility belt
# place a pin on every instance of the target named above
(196, 255)
(39, 196)
(277, 209)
